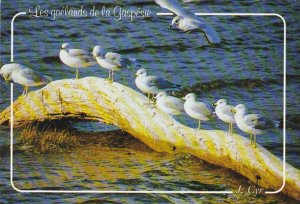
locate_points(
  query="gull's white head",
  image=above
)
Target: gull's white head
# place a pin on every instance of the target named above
(190, 96)
(161, 94)
(141, 72)
(221, 102)
(65, 46)
(175, 22)
(7, 70)
(98, 51)
(240, 109)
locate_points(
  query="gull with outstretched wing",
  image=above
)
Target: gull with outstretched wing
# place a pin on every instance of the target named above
(187, 21)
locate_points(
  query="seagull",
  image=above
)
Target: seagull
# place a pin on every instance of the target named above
(111, 61)
(23, 75)
(188, 22)
(197, 109)
(225, 113)
(253, 124)
(152, 84)
(169, 104)
(76, 58)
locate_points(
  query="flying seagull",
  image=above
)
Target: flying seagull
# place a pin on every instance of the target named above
(188, 22)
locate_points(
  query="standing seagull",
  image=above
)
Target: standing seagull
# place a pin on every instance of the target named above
(253, 124)
(197, 109)
(111, 61)
(23, 75)
(152, 84)
(76, 58)
(187, 21)
(169, 104)
(225, 113)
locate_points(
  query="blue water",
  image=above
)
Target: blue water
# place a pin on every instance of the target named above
(251, 51)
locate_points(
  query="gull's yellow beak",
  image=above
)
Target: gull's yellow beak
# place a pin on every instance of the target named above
(214, 104)
(233, 111)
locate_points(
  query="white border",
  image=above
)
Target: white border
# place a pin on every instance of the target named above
(159, 192)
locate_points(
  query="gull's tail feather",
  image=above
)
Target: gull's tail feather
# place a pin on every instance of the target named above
(276, 124)
(132, 69)
(47, 79)
(132, 60)
(213, 115)
(264, 123)
(135, 63)
(176, 86)
(167, 84)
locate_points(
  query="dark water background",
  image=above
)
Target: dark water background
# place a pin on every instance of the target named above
(247, 68)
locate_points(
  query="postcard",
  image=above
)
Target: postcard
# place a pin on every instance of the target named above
(153, 101)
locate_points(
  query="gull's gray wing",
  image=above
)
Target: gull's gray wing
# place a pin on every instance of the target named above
(83, 55)
(160, 82)
(28, 77)
(194, 24)
(78, 52)
(174, 103)
(117, 59)
(202, 108)
(257, 121)
(228, 110)
(31, 75)
(175, 7)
